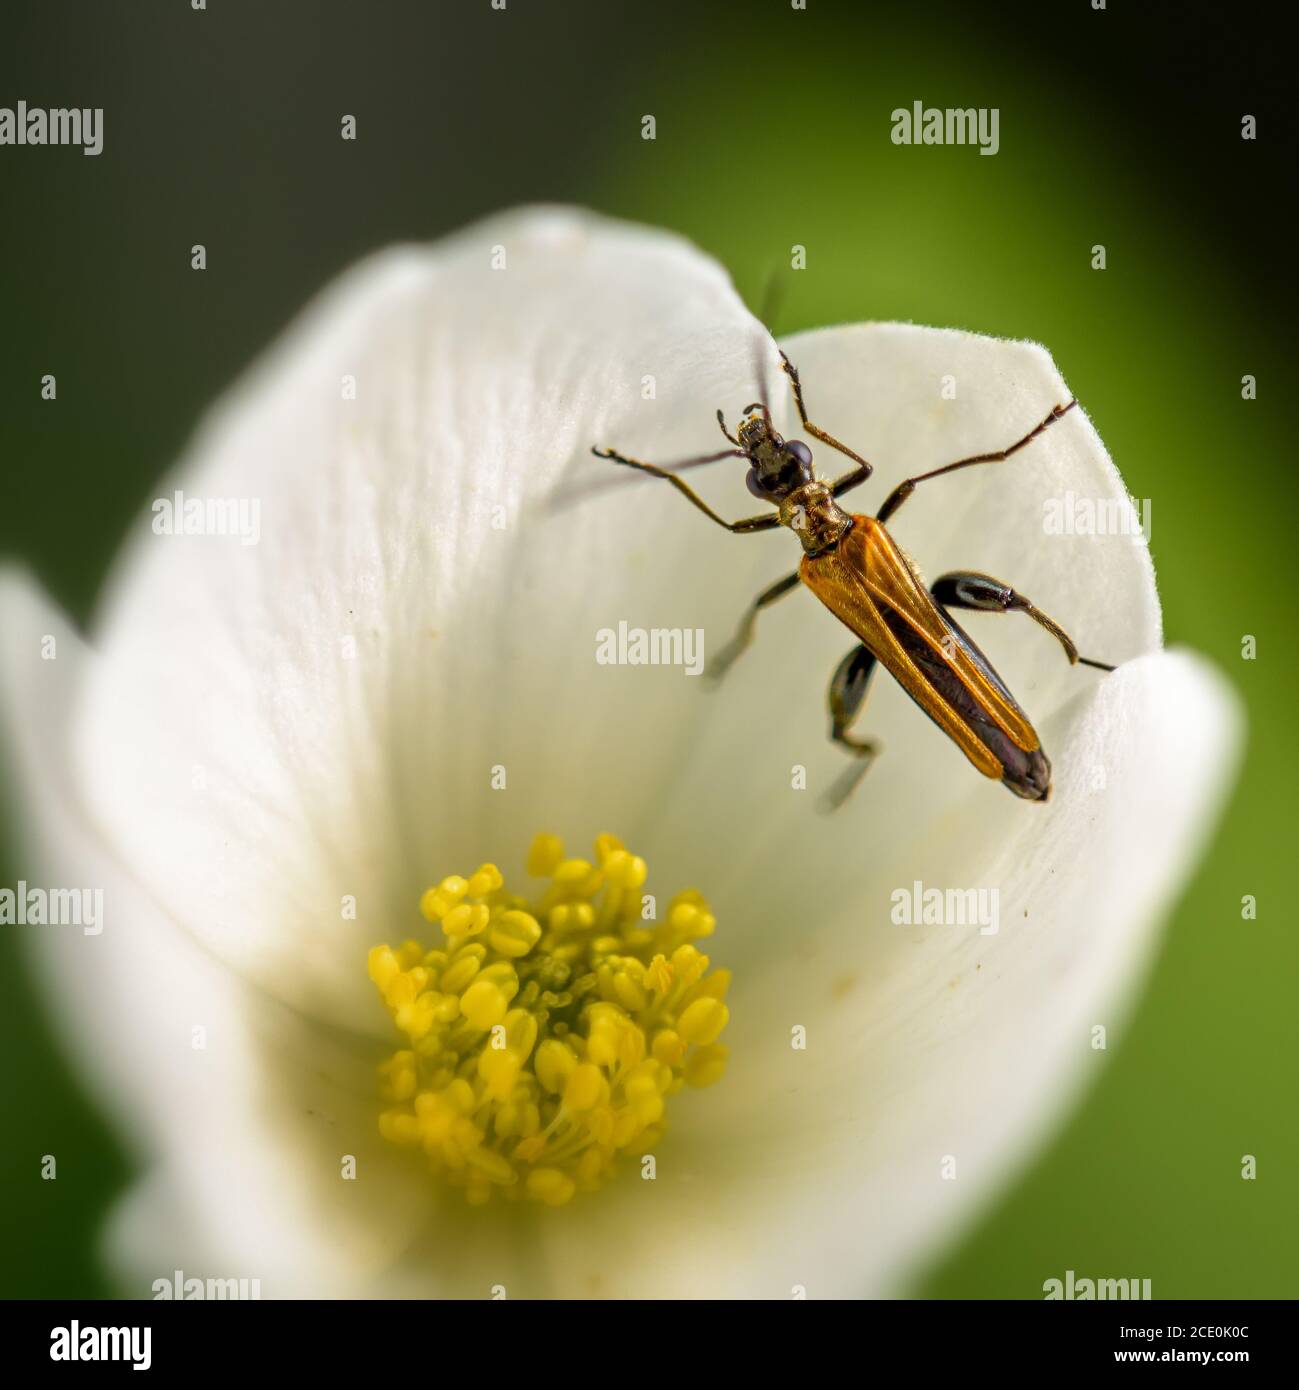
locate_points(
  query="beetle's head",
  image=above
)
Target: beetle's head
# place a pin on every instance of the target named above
(780, 467)
(757, 437)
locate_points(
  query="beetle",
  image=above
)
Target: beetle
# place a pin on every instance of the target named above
(854, 566)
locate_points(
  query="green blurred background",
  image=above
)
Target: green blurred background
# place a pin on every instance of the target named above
(1119, 127)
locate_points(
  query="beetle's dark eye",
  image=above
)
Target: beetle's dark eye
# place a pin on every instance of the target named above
(754, 486)
(800, 451)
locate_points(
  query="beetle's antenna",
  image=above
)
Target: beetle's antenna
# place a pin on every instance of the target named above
(773, 295)
(760, 342)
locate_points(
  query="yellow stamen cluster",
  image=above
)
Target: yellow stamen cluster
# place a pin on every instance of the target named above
(545, 1034)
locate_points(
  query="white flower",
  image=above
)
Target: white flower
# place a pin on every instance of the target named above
(229, 768)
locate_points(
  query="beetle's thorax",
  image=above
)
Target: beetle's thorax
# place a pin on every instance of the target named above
(815, 517)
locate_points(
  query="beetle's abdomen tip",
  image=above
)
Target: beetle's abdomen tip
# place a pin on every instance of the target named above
(1032, 782)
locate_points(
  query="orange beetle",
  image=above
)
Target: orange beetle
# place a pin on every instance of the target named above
(852, 564)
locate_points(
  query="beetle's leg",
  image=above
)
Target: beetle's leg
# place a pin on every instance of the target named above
(905, 488)
(767, 522)
(982, 593)
(847, 695)
(849, 481)
(815, 430)
(724, 659)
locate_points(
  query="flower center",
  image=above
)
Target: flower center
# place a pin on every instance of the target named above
(546, 1032)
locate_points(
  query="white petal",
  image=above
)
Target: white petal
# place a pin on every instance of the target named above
(253, 773)
(249, 1129)
(220, 741)
(823, 1167)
